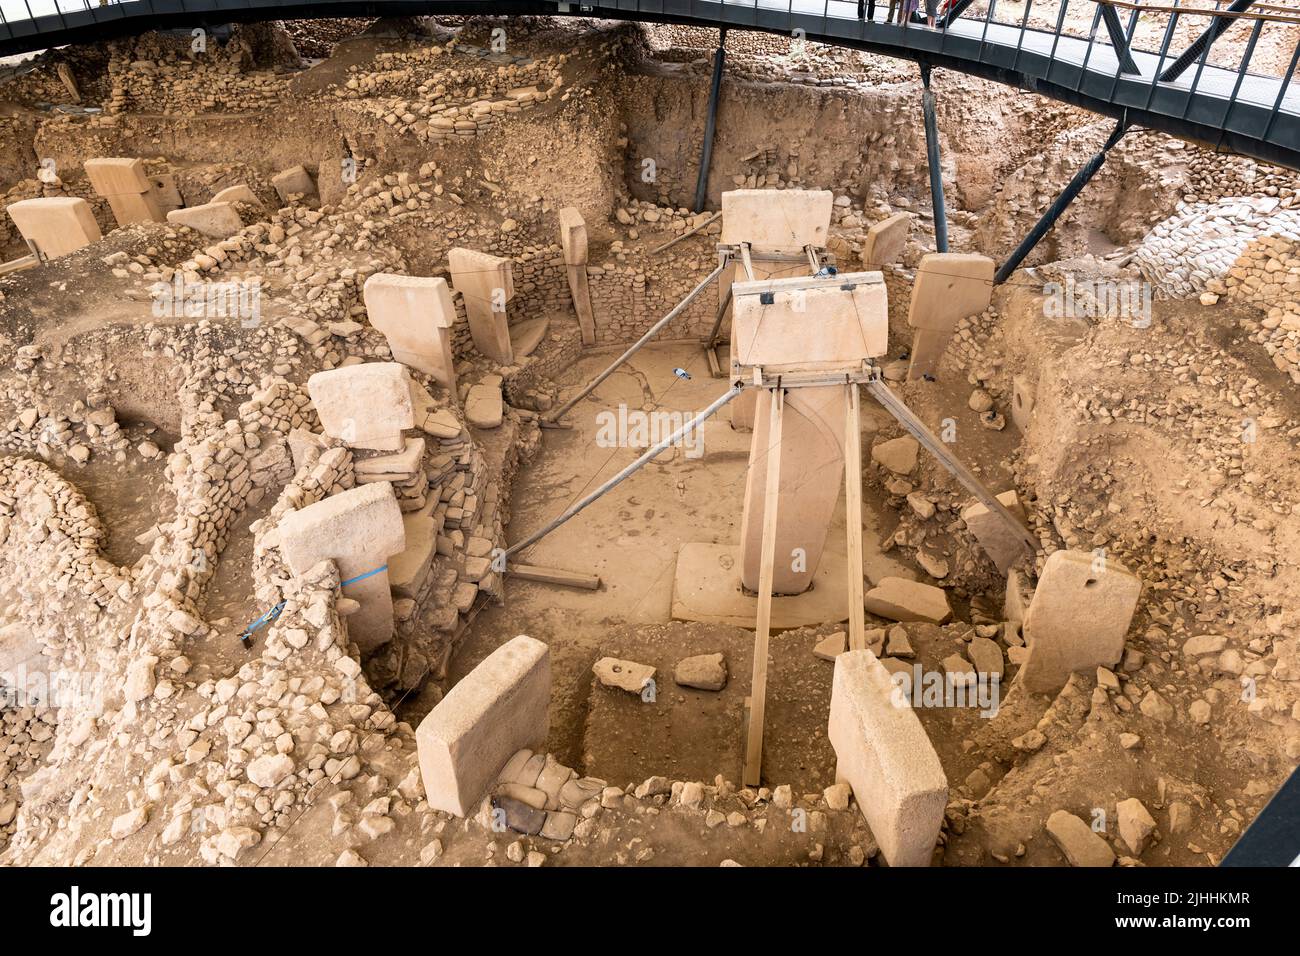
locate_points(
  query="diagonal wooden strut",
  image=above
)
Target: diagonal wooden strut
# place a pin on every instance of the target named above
(853, 517)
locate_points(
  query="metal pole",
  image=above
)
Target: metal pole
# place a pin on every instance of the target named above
(883, 394)
(636, 347)
(710, 122)
(631, 469)
(1202, 43)
(932, 158)
(1059, 205)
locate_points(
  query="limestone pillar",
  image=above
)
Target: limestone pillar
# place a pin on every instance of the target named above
(779, 222)
(573, 239)
(57, 225)
(812, 474)
(486, 283)
(126, 186)
(949, 287)
(359, 530)
(416, 315)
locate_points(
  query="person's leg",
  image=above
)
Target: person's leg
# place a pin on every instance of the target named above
(871, 9)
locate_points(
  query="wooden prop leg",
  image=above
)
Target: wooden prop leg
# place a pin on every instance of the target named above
(758, 685)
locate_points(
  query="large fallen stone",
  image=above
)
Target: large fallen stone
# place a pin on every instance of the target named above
(217, 219)
(498, 708)
(240, 192)
(902, 600)
(55, 225)
(416, 315)
(897, 454)
(359, 530)
(1076, 840)
(999, 541)
(409, 569)
(484, 406)
(293, 183)
(366, 405)
(1077, 619)
(703, 671)
(883, 753)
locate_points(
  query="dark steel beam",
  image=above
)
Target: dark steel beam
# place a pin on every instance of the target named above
(1202, 43)
(933, 160)
(1059, 205)
(711, 121)
(1118, 39)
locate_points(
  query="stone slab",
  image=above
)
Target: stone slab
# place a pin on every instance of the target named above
(56, 225)
(782, 220)
(486, 284)
(359, 530)
(1002, 544)
(366, 405)
(219, 220)
(1077, 620)
(885, 240)
(883, 753)
(495, 710)
(807, 323)
(416, 315)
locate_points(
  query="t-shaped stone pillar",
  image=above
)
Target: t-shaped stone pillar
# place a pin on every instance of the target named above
(802, 325)
(359, 530)
(573, 239)
(949, 287)
(776, 223)
(126, 186)
(365, 406)
(415, 314)
(486, 283)
(57, 225)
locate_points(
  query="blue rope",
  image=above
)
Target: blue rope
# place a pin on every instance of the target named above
(247, 636)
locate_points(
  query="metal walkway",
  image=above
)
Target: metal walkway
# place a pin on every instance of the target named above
(1230, 107)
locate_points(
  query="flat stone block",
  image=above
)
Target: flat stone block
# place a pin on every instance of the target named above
(57, 225)
(497, 708)
(706, 587)
(995, 536)
(777, 219)
(883, 753)
(366, 405)
(902, 600)
(217, 219)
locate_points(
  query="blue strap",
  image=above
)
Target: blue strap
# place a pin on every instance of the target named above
(272, 614)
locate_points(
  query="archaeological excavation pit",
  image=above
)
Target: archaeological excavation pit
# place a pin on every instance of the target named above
(594, 439)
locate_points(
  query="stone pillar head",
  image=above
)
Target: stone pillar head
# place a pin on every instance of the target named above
(486, 283)
(416, 314)
(364, 406)
(56, 225)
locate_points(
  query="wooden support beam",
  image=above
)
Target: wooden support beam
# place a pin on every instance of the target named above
(853, 516)
(753, 769)
(568, 579)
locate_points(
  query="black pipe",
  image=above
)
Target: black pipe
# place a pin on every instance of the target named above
(932, 158)
(1199, 45)
(710, 122)
(1059, 206)
(1118, 39)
